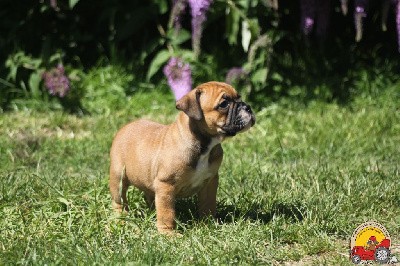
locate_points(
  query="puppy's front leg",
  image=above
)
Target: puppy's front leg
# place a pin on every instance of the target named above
(208, 198)
(165, 207)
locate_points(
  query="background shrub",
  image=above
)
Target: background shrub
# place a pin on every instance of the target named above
(105, 89)
(277, 59)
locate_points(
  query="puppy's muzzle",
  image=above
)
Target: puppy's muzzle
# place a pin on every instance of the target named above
(240, 118)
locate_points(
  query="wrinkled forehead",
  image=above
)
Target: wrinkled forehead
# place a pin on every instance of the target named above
(218, 90)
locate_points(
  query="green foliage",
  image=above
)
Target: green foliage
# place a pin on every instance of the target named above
(23, 86)
(24, 65)
(157, 63)
(105, 89)
(256, 41)
(292, 188)
(72, 3)
(139, 36)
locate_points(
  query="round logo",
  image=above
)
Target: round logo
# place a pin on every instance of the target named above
(370, 241)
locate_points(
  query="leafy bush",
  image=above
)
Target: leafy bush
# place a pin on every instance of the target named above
(24, 75)
(33, 79)
(105, 89)
(273, 50)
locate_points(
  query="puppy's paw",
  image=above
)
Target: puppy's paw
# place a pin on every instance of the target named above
(121, 209)
(169, 232)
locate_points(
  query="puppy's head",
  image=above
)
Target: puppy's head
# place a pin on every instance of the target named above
(217, 108)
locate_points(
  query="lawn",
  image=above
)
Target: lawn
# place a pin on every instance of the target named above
(292, 189)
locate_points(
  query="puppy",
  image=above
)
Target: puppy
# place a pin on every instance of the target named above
(167, 162)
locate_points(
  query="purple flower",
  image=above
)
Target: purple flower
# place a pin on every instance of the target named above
(360, 12)
(385, 10)
(178, 9)
(56, 81)
(315, 12)
(199, 9)
(398, 22)
(308, 25)
(179, 77)
(234, 74)
(360, 9)
(307, 16)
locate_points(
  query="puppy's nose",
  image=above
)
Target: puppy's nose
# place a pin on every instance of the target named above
(247, 108)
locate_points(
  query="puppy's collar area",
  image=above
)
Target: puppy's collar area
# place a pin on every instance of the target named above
(199, 136)
(214, 142)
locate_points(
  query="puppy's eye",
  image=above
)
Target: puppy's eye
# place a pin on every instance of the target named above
(224, 104)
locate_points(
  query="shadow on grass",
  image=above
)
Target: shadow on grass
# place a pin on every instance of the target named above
(229, 213)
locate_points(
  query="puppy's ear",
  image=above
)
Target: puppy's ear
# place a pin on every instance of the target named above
(190, 104)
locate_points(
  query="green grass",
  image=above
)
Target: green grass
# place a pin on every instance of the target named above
(292, 189)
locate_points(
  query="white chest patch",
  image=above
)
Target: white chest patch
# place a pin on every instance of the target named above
(202, 172)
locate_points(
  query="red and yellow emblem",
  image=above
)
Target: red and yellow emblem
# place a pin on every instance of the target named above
(370, 241)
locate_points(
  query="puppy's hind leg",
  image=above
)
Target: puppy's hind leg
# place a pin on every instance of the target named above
(118, 188)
